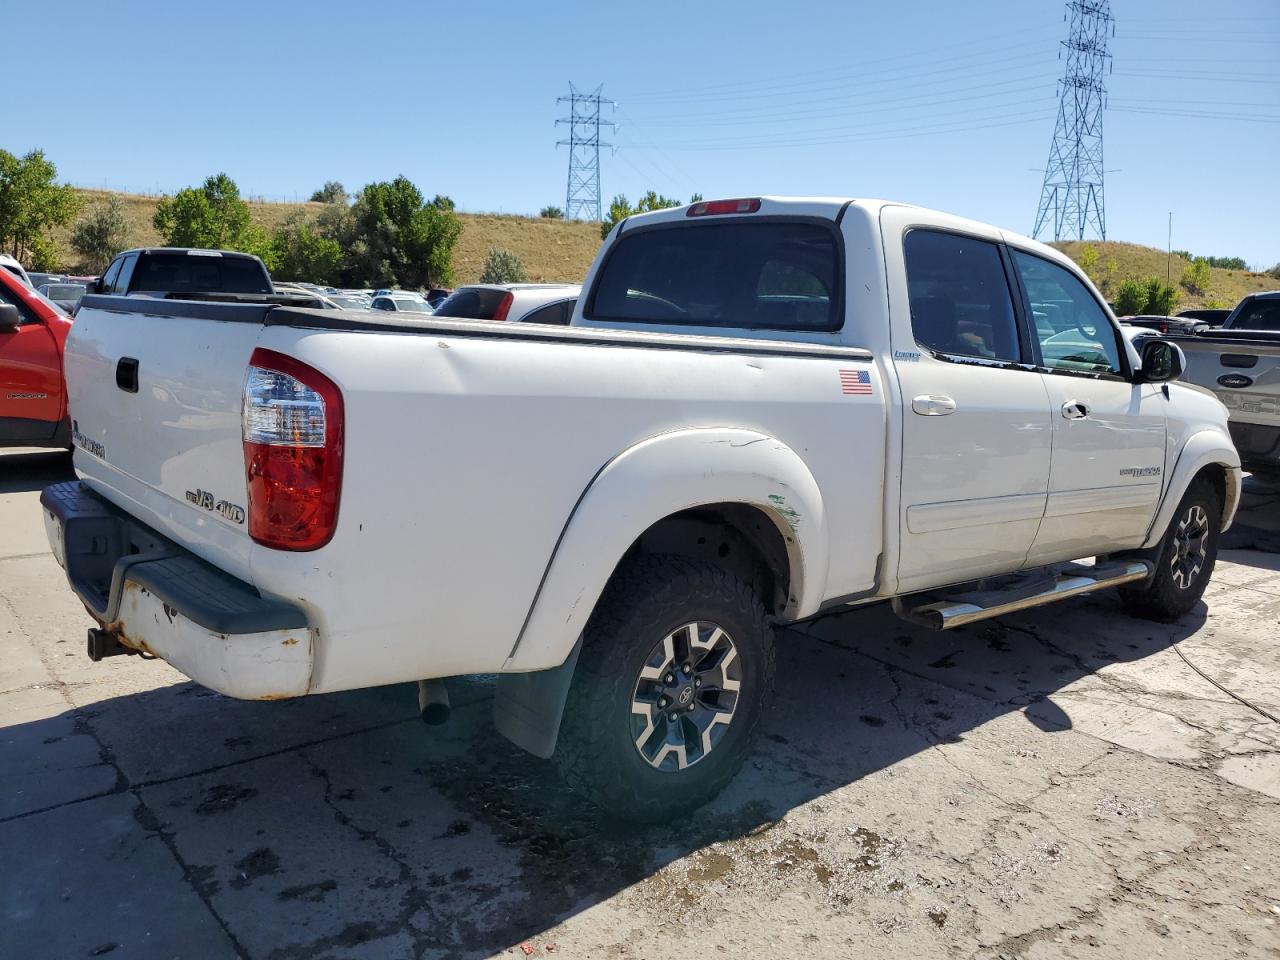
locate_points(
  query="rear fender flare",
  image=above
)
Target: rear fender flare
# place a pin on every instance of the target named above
(1205, 448)
(654, 479)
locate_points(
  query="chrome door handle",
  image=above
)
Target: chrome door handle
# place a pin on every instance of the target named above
(1075, 410)
(933, 406)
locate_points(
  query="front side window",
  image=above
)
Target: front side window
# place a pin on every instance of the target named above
(960, 300)
(14, 299)
(756, 275)
(1074, 332)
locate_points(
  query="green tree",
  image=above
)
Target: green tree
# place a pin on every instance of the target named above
(101, 233)
(30, 203)
(1160, 297)
(621, 208)
(1131, 298)
(211, 216)
(502, 266)
(1088, 259)
(302, 251)
(331, 192)
(393, 237)
(551, 213)
(1196, 277)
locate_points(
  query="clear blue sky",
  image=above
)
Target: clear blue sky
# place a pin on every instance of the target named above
(936, 102)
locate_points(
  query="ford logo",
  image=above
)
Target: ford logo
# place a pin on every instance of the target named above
(1235, 380)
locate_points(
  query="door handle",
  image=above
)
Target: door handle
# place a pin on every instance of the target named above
(1075, 410)
(928, 405)
(127, 374)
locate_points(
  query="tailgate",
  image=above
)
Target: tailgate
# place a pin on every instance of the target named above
(154, 388)
(1243, 374)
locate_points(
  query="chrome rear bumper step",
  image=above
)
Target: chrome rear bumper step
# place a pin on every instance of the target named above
(1018, 593)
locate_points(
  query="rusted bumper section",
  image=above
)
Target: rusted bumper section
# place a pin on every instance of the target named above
(158, 598)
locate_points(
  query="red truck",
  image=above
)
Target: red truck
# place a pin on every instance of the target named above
(33, 396)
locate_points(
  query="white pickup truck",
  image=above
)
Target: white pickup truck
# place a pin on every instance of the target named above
(763, 409)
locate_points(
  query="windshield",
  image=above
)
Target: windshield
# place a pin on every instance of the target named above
(65, 291)
(413, 306)
(472, 303)
(762, 275)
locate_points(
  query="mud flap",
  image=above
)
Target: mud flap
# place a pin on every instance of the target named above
(527, 707)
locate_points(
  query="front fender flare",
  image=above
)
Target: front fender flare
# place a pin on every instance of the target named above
(1203, 449)
(654, 479)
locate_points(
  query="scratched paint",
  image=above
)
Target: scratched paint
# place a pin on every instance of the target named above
(788, 513)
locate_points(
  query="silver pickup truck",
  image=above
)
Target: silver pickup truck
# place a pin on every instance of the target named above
(1240, 363)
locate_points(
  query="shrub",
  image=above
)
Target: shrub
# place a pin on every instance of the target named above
(551, 213)
(1130, 298)
(331, 192)
(503, 266)
(1196, 277)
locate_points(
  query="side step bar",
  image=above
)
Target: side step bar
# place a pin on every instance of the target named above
(1018, 593)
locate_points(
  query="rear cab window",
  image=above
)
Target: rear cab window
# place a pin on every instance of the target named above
(766, 274)
(182, 272)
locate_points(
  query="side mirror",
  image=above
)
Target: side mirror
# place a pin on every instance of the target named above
(1162, 361)
(10, 318)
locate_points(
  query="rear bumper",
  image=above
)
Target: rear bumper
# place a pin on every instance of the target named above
(158, 598)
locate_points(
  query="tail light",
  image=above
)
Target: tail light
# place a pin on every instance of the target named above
(711, 208)
(504, 307)
(292, 425)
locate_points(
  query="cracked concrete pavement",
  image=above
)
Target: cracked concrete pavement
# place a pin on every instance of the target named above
(1060, 783)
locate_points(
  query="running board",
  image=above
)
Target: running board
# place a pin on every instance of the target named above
(1019, 593)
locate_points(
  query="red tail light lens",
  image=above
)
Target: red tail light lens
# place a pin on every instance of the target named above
(292, 427)
(504, 307)
(711, 208)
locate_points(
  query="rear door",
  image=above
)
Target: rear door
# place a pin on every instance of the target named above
(1108, 432)
(976, 426)
(30, 371)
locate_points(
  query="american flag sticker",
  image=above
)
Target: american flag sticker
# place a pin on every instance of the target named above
(855, 382)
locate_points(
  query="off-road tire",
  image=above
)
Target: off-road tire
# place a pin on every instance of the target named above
(1162, 598)
(646, 601)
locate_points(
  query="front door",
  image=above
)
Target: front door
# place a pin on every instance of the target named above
(30, 375)
(976, 430)
(1108, 432)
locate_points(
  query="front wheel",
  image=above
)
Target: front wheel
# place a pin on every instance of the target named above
(675, 671)
(1184, 558)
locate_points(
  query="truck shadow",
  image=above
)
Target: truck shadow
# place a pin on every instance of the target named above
(25, 471)
(338, 823)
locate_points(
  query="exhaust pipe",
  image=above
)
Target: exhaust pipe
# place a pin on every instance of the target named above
(433, 702)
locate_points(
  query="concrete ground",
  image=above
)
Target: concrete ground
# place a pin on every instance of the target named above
(1060, 783)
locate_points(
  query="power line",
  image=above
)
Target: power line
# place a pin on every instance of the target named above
(1072, 193)
(582, 195)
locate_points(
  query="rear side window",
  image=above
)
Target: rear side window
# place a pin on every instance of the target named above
(126, 273)
(475, 303)
(960, 300)
(759, 275)
(553, 313)
(109, 278)
(187, 273)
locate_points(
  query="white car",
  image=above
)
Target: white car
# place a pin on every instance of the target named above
(13, 266)
(763, 409)
(401, 301)
(550, 303)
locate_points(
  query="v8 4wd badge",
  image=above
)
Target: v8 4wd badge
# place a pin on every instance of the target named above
(223, 508)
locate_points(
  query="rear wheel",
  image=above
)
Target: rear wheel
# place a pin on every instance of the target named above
(1183, 560)
(675, 671)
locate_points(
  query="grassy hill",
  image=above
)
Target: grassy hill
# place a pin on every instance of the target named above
(563, 250)
(549, 249)
(1118, 262)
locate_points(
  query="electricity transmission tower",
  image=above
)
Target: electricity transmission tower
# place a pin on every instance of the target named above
(582, 197)
(1072, 197)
